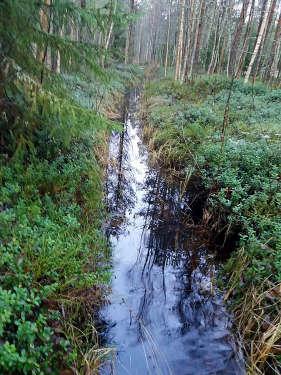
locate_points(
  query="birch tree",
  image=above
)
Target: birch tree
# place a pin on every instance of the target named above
(179, 51)
(264, 43)
(245, 44)
(168, 39)
(130, 36)
(275, 51)
(237, 36)
(258, 41)
(196, 45)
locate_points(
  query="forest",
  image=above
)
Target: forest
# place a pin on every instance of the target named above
(140, 187)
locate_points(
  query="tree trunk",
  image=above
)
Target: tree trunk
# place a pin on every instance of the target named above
(108, 37)
(196, 37)
(210, 29)
(44, 15)
(275, 51)
(189, 37)
(211, 66)
(245, 45)
(129, 49)
(265, 37)
(180, 42)
(168, 39)
(258, 41)
(56, 56)
(45, 22)
(200, 31)
(237, 36)
(222, 22)
(140, 43)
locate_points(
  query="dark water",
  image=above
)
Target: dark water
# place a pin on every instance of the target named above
(165, 315)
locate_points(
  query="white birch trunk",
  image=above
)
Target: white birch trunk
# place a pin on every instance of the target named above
(258, 42)
(168, 40)
(180, 42)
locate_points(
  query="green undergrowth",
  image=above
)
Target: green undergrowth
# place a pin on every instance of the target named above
(241, 172)
(50, 244)
(54, 255)
(60, 93)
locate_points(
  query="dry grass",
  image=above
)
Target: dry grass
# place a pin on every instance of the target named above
(258, 320)
(79, 310)
(260, 323)
(90, 356)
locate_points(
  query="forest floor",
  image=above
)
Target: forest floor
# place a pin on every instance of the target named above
(228, 135)
(54, 250)
(55, 257)
(55, 254)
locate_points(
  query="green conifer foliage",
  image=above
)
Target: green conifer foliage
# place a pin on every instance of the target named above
(33, 95)
(51, 202)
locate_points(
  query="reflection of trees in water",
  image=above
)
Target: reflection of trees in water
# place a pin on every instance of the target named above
(168, 214)
(171, 242)
(172, 270)
(119, 192)
(196, 304)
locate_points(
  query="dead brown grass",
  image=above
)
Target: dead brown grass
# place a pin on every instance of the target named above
(258, 319)
(79, 309)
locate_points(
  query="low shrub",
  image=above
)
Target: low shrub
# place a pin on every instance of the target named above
(242, 173)
(50, 215)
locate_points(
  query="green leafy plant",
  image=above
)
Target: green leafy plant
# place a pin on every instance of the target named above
(242, 179)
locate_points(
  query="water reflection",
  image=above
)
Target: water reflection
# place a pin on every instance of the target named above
(120, 194)
(165, 315)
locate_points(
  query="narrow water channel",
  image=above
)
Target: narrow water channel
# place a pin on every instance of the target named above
(164, 314)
